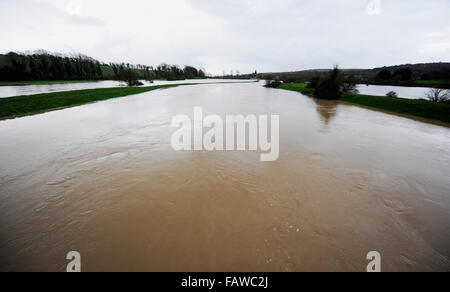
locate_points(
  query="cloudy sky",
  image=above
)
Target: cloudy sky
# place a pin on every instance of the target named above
(225, 35)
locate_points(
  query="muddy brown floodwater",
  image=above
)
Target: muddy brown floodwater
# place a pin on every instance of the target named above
(103, 180)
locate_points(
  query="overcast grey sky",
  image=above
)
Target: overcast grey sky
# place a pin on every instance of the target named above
(244, 35)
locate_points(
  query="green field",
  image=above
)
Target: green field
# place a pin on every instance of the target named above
(433, 82)
(408, 107)
(299, 87)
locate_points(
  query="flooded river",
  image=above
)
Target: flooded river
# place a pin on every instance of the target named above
(103, 180)
(9, 91)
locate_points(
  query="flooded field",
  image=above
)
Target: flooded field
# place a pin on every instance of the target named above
(9, 91)
(102, 179)
(402, 91)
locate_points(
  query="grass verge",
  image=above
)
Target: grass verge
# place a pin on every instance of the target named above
(433, 81)
(298, 87)
(409, 107)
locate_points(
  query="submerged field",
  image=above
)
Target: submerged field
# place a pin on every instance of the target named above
(41, 82)
(416, 108)
(29, 104)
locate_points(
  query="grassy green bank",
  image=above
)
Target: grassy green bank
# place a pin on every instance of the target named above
(434, 83)
(25, 105)
(299, 87)
(409, 107)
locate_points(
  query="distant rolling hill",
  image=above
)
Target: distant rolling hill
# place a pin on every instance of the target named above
(418, 70)
(420, 75)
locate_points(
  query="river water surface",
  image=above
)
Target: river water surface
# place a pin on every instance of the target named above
(10, 91)
(103, 180)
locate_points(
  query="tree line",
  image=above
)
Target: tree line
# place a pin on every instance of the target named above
(45, 66)
(42, 65)
(173, 72)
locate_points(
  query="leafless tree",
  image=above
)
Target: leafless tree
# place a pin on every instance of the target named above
(438, 95)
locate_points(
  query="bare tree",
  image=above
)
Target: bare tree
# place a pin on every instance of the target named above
(438, 95)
